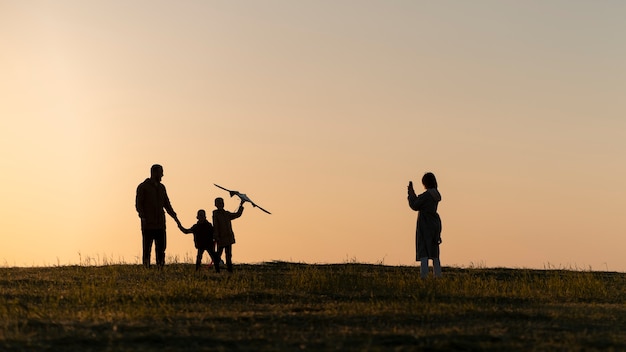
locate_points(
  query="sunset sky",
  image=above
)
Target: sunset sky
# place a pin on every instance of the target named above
(320, 111)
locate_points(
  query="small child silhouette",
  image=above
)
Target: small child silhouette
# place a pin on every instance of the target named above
(202, 238)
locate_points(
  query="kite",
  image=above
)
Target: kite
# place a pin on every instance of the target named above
(244, 198)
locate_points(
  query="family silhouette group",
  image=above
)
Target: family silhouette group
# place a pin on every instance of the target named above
(152, 200)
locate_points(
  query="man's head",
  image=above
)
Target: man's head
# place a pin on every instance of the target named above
(219, 203)
(201, 215)
(156, 172)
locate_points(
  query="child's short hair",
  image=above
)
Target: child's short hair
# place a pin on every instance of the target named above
(202, 213)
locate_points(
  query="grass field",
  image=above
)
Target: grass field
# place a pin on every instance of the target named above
(288, 307)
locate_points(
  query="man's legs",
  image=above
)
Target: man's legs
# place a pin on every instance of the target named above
(160, 244)
(147, 237)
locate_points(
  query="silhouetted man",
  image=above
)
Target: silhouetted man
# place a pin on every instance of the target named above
(150, 201)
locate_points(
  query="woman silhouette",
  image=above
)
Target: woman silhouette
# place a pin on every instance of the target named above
(428, 231)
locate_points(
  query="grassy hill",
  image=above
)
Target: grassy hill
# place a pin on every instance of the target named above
(291, 307)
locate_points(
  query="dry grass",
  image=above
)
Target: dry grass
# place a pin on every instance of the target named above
(288, 306)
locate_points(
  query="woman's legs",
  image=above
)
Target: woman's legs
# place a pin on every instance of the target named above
(424, 267)
(437, 267)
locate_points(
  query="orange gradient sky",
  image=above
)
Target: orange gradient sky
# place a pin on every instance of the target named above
(321, 111)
